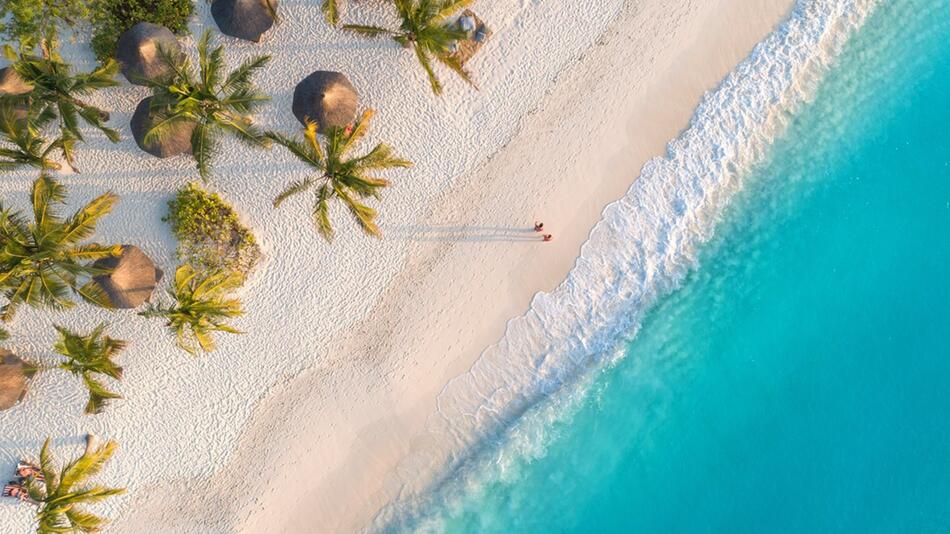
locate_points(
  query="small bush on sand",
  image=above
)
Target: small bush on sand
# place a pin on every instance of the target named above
(210, 236)
(111, 18)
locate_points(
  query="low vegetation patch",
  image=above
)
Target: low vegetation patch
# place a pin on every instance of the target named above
(112, 17)
(210, 236)
(27, 21)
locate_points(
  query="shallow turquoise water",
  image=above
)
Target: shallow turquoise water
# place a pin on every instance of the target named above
(799, 381)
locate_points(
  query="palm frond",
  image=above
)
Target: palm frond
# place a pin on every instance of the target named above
(448, 7)
(86, 466)
(455, 66)
(240, 78)
(293, 189)
(321, 213)
(331, 11)
(423, 58)
(202, 147)
(304, 153)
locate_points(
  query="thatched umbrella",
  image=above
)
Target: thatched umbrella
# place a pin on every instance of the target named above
(244, 19)
(12, 84)
(132, 279)
(13, 375)
(137, 52)
(177, 141)
(327, 98)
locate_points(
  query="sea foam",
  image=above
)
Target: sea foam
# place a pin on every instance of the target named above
(640, 250)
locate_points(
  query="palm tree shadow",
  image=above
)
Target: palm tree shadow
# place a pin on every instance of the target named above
(464, 233)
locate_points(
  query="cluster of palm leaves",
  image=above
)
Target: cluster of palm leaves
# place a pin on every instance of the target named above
(425, 29)
(339, 176)
(201, 307)
(90, 355)
(25, 21)
(62, 494)
(42, 262)
(215, 103)
(57, 92)
(21, 128)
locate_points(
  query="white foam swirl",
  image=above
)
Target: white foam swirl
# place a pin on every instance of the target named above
(641, 249)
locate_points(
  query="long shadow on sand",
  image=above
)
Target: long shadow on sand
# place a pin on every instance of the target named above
(464, 233)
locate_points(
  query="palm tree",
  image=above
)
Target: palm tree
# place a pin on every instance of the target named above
(331, 10)
(208, 98)
(339, 176)
(424, 29)
(41, 261)
(61, 494)
(200, 308)
(21, 128)
(87, 356)
(57, 90)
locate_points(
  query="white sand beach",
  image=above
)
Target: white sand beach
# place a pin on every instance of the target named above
(301, 424)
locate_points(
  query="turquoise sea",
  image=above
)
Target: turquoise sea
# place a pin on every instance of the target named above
(798, 380)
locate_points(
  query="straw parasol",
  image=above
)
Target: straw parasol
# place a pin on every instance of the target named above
(244, 19)
(12, 84)
(327, 98)
(137, 52)
(177, 141)
(13, 375)
(132, 279)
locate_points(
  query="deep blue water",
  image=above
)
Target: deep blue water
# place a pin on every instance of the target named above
(799, 380)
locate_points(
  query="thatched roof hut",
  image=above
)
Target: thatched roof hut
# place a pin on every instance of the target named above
(327, 98)
(132, 279)
(12, 84)
(13, 375)
(137, 52)
(244, 19)
(178, 140)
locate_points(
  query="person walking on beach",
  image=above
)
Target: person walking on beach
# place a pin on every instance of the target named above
(538, 226)
(547, 237)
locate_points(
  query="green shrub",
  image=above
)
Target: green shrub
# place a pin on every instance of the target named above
(111, 18)
(210, 236)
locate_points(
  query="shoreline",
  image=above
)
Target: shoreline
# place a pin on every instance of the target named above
(307, 419)
(389, 372)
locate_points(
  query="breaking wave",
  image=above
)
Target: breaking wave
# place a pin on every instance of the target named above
(641, 249)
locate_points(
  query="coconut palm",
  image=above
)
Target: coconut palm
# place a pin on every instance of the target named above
(201, 307)
(89, 355)
(425, 30)
(331, 10)
(57, 90)
(215, 102)
(339, 176)
(61, 494)
(21, 128)
(42, 262)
